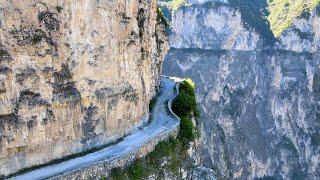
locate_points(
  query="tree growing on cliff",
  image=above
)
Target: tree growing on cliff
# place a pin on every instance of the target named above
(170, 154)
(186, 103)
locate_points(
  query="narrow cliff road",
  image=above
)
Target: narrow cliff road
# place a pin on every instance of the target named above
(162, 122)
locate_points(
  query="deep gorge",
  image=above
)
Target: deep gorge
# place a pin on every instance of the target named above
(258, 98)
(81, 78)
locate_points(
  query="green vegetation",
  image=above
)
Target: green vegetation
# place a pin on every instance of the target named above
(185, 107)
(136, 170)
(186, 101)
(187, 133)
(283, 12)
(169, 154)
(117, 174)
(160, 17)
(153, 163)
(184, 104)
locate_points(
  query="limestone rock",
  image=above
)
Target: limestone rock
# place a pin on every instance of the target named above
(74, 75)
(259, 105)
(304, 34)
(212, 26)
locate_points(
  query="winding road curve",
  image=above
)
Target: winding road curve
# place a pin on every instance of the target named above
(162, 122)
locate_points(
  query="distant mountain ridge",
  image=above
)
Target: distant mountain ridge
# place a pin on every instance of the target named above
(269, 18)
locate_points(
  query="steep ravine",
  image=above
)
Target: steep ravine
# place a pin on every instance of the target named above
(74, 75)
(259, 103)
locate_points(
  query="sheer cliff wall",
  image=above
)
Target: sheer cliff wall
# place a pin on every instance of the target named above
(74, 75)
(259, 104)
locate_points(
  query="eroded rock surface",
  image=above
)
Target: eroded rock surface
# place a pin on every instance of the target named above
(211, 26)
(74, 75)
(259, 104)
(304, 34)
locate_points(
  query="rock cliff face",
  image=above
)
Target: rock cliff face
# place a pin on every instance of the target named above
(74, 75)
(259, 104)
(304, 35)
(211, 26)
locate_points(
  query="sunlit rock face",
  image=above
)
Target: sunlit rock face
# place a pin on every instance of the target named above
(74, 75)
(259, 110)
(259, 106)
(212, 26)
(304, 35)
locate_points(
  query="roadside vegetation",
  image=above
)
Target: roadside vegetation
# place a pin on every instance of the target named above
(168, 155)
(186, 103)
(283, 12)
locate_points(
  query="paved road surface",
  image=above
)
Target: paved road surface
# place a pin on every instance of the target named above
(161, 122)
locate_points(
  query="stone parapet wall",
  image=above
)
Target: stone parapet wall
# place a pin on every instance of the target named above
(103, 168)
